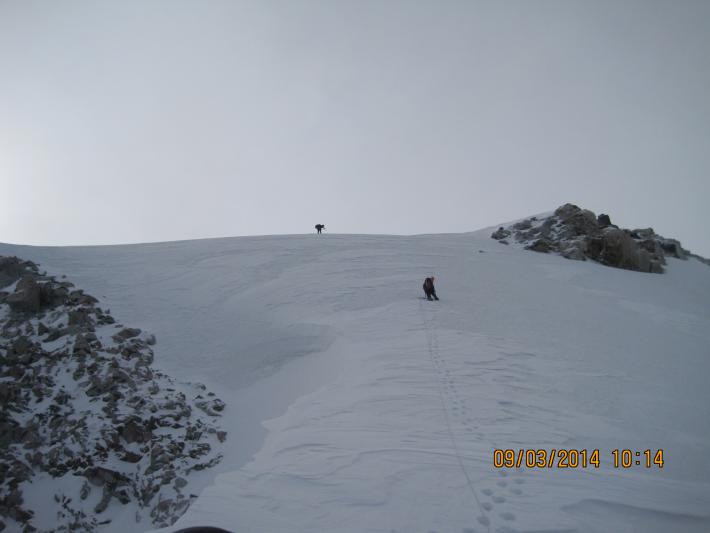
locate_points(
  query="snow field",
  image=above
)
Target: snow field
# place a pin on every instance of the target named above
(354, 405)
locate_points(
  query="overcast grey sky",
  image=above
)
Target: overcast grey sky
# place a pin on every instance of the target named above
(143, 121)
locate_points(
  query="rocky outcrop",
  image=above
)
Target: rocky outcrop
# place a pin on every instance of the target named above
(578, 234)
(81, 402)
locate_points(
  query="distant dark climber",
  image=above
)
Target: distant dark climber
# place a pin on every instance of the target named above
(320, 227)
(429, 289)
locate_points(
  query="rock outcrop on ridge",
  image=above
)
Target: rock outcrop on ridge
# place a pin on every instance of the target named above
(85, 418)
(579, 234)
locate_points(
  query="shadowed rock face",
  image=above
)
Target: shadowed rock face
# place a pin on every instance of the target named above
(26, 296)
(12, 269)
(578, 234)
(141, 435)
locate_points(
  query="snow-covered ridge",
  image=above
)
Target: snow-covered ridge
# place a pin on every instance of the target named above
(579, 234)
(86, 420)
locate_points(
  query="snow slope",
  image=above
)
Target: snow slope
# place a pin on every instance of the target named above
(354, 405)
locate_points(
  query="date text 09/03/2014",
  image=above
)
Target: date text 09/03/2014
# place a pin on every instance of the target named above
(572, 458)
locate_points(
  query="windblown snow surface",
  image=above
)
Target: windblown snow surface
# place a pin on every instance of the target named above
(355, 405)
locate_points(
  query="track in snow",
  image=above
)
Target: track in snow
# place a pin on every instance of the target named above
(456, 413)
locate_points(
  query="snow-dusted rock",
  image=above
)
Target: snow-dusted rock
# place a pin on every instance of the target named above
(578, 234)
(501, 233)
(82, 405)
(540, 245)
(126, 333)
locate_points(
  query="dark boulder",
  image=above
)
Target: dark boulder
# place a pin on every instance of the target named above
(603, 221)
(126, 333)
(26, 297)
(614, 248)
(673, 248)
(540, 245)
(643, 233)
(652, 246)
(81, 345)
(574, 249)
(80, 317)
(55, 334)
(135, 430)
(52, 294)
(500, 233)
(12, 269)
(583, 222)
(523, 224)
(566, 211)
(99, 476)
(77, 297)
